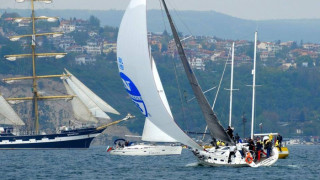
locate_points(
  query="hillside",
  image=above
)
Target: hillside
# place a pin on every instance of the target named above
(286, 102)
(208, 23)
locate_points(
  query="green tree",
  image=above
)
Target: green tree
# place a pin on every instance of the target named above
(304, 59)
(94, 22)
(80, 37)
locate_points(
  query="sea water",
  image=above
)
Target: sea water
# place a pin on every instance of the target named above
(95, 163)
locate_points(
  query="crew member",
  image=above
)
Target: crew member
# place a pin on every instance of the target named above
(237, 138)
(279, 139)
(230, 132)
(258, 149)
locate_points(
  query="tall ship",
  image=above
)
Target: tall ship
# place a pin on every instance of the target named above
(87, 107)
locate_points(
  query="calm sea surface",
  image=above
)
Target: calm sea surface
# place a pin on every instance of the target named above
(94, 163)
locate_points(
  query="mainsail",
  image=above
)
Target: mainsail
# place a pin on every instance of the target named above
(140, 77)
(87, 106)
(8, 115)
(216, 130)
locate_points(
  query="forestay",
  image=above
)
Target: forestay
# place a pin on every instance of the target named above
(8, 115)
(139, 74)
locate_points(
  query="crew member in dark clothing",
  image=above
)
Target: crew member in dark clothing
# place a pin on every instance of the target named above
(237, 138)
(251, 145)
(230, 132)
(258, 149)
(279, 139)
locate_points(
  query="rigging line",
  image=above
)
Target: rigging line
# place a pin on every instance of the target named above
(225, 65)
(180, 19)
(65, 107)
(175, 71)
(180, 94)
(216, 96)
(164, 23)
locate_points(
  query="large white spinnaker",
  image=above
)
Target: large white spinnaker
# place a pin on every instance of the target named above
(81, 112)
(137, 73)
(96, 99)
(152, 133)
(8, 115)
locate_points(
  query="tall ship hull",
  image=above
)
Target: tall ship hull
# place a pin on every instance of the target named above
(80, 138)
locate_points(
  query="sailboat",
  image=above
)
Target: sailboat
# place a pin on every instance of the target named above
(140, 77)
(282, 151)
(87, 106)
(132, 56)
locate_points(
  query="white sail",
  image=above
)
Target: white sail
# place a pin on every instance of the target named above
(8, 115)
(137, 71)
(80, 111)
(93, 108)
(160, 89)
(96, 99)
(152, 133)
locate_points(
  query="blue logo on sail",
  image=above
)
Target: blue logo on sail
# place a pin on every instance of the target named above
(120, 63)
(134, 93)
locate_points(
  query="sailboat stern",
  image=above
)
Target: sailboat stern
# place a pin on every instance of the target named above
(274, 156)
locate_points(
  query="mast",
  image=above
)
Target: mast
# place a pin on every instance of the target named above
(231, 85)
(36, 96)
(254, 81)
(216, 130)
(34, 80)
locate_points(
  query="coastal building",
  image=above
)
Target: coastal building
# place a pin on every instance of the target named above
(93, 48)
(109, 47)
(67, 26)
(74, 49)
(268, 46)
(265, 55)
(85, 59)
(197, 63)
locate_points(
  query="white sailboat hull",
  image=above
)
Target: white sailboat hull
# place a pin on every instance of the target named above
(147, 150)
(220, 157)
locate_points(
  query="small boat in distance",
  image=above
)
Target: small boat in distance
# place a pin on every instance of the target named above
(126, 148)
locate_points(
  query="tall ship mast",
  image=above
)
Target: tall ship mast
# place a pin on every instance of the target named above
(87, 106)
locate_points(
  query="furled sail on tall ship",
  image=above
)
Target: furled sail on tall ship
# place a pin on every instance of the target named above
(96, 99)
(7, 115)
(87, 106)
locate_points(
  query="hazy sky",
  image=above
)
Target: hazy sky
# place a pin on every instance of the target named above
(246, 9)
